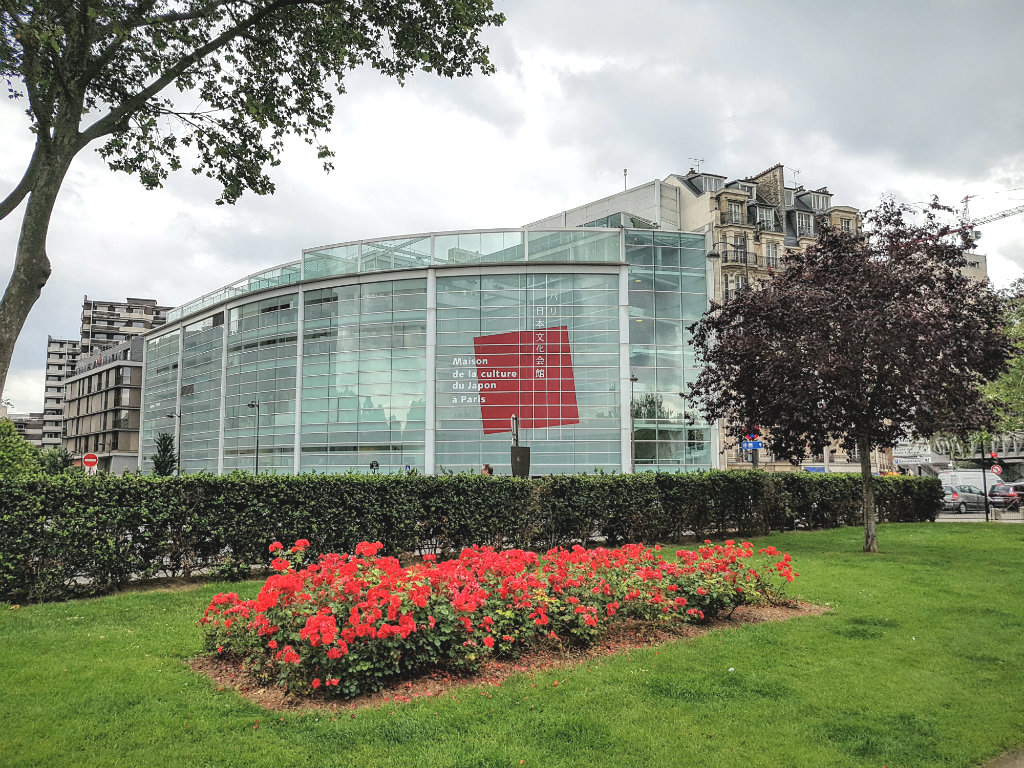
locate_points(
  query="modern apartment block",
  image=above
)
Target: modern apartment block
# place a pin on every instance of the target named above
(105, 324)
(108, 323)
(101, 406)
(29, 426)
(61, 359)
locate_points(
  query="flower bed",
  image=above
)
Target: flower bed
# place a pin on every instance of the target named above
(350, 624)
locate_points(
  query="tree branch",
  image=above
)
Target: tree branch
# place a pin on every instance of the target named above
(13, 200)
(109, 122)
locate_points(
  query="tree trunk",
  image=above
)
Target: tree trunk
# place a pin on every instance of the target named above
(31, 265)
(870, 532)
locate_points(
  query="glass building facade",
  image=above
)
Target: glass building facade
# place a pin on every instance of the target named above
(415, 352)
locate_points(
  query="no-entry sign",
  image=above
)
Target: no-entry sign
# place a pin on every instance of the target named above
(90, 460)
(997, 470)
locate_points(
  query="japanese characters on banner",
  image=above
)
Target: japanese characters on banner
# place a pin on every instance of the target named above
(526, 373)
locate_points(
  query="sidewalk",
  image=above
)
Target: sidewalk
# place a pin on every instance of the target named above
(1012, 759)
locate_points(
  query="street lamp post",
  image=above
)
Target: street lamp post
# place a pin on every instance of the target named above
(177, 440)
(714, 255)
(256, 404)
(632, 425)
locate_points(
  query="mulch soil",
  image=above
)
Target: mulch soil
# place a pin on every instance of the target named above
(621, 638)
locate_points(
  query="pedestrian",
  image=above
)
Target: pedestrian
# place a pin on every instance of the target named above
(486, 469)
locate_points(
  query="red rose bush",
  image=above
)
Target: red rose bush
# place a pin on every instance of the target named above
(350, 624)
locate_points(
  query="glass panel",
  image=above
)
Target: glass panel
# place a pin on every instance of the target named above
(339, 260)
(574, 246)
(478, 247)
(403, 253)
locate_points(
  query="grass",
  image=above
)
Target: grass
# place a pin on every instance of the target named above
(921, 663)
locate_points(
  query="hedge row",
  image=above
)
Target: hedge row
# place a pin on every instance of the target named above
(69, 535)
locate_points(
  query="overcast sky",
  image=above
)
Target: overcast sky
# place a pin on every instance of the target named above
(866, 98)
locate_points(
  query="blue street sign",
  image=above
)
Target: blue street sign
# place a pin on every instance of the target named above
(751, 445)
(814, 469)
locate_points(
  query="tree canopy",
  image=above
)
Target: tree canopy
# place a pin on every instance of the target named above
(217, 84)
(1006, 393)
(18, 457)
(165, 460)
(865, 338)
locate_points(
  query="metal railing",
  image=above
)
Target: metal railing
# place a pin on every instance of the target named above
(739, 257)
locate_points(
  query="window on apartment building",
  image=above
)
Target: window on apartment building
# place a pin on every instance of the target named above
(819, 202)
(739, 244)
(766, 217)
(771, 254)
(789, 198)
(735, 213)
(804, 224)
(846, 225)
(750, 189)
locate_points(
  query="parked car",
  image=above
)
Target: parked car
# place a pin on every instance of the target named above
(1004, 496)
(960, 498)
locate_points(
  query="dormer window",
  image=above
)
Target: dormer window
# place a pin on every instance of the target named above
(749, 189)
(789, 198)
(766, 218)
(710, 183)
(819, 202)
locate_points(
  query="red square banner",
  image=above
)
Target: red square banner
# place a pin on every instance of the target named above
(528, 374)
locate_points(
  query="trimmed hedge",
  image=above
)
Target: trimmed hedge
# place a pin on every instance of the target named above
(68, 535)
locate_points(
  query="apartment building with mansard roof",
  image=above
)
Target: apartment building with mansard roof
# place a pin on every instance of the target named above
(751, 222)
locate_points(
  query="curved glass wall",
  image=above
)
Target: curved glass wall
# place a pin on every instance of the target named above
(416, 352)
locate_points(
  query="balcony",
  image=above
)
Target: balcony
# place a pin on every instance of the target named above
(739, 257)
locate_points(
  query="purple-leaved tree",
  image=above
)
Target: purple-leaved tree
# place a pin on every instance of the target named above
(864, 338)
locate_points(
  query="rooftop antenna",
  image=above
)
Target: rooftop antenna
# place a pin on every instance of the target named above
(796, 172)
(698, 161)
(625, 172)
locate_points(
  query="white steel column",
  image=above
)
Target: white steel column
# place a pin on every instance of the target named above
(298, 381)
(142, 402)
(625, 407)
(429, 433)
(177, 395)
(223, 391)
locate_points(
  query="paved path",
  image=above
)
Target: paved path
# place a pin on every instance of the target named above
(1012, 759)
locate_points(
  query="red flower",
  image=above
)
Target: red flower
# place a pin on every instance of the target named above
(316, 683)
(489, 641)
(277, 545)
(367, 549)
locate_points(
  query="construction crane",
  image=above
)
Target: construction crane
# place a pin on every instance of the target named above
(992, 217)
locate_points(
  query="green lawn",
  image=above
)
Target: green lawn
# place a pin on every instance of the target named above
(920, 663)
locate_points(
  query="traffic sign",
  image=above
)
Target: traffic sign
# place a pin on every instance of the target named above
(997, 470)
(751, 445)
(90, 460)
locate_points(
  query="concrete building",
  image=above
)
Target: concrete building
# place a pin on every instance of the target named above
(108, 323)
(102, 397)
(977, 266)
(61, 359)
(414, 352)
(29, 426)
(104, 324)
